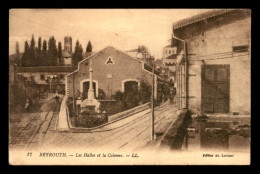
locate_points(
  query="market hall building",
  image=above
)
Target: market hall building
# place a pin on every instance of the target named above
(214, 66)
(113, 71)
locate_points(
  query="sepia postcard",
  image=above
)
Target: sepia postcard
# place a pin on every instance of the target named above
(129, 86)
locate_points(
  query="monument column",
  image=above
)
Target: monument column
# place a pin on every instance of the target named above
(90, 90)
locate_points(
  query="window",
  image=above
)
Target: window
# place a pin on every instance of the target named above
(42, 77)
(109, 61)
(209, 73)
(241, 48)
(222, 74)
(169, 51)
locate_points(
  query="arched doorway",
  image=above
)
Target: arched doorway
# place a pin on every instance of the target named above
(86, 87)
(130, 85)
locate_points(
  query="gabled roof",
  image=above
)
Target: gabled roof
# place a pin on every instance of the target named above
(200, 17)
(145, 66)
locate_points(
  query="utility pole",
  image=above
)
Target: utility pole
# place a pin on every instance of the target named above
(74, 101)
(152, 107)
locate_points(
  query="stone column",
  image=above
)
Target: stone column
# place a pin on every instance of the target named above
(90, 90)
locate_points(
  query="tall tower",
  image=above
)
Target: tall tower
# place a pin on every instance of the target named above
(68, 44)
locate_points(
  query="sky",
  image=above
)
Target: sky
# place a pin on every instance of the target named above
(123, 29)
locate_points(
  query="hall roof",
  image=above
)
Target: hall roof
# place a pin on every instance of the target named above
(200, 17)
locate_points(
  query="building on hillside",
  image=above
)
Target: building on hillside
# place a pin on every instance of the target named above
(67, 53)
(169, 60)
(113, 71)
(213, 65)
(66, 58)
(46, 77)
(141, 55)
(134, 53)
(168, 50)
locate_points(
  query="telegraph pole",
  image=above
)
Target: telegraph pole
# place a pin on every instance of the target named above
(74, 100)
(152, 107)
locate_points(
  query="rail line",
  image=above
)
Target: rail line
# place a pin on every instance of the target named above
(39, 127)
(27, 126)
(158, 121)
(64, 139)
(161, 117)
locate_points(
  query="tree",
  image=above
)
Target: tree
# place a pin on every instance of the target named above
(78, 54)
(53, 53)
(25, 57)
(89, 47)
(145, 92)
(45, 58)
(39, 44)
(60, 52)
(39, 56)
(32, 53)
(142, 49)
(17, 54)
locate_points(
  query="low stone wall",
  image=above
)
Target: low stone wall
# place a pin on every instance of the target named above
(129, 112)
(174, 136)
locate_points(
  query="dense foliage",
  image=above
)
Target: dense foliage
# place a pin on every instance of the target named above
(47, 53)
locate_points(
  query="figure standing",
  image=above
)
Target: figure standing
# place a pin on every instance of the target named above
(27, 104)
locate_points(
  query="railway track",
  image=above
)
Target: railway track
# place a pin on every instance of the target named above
(133, 132)
(38, 137)
(131, 126)
(30, 126)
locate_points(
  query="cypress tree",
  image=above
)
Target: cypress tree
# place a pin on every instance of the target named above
(60, 52)
(39, 52)
(25, 57)
(53, 53)
(32, 53)
(89, 47)
(78, 54)
(45, 57)
(17, 54)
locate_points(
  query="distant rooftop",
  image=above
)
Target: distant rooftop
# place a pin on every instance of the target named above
(134, 50)
(66, 54)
